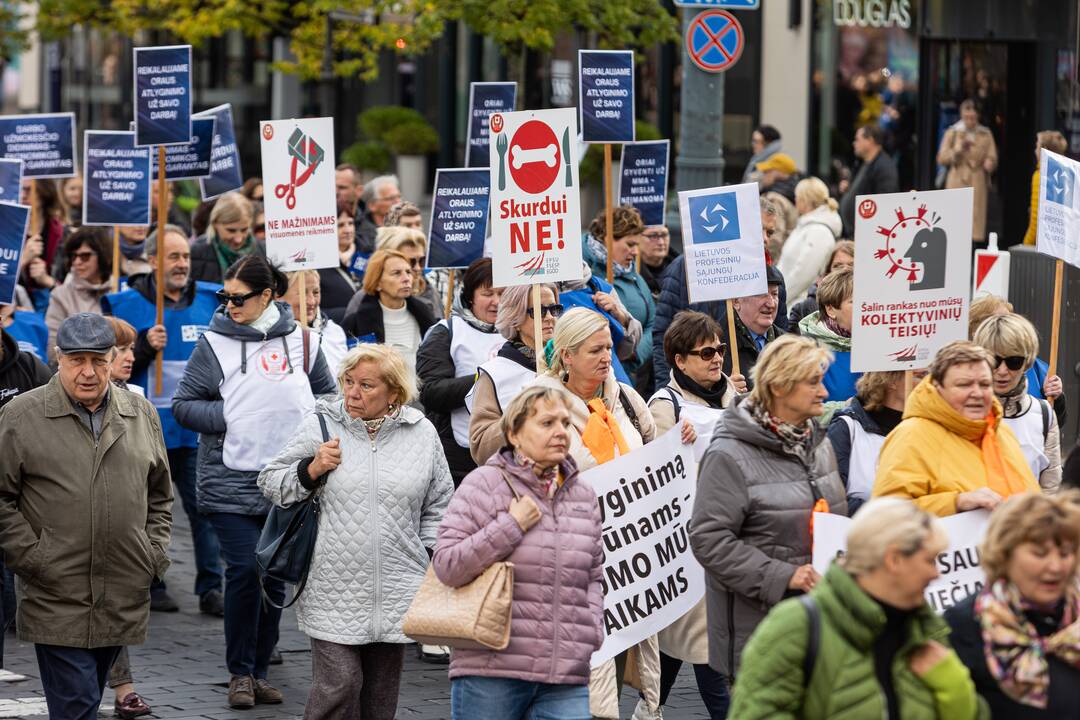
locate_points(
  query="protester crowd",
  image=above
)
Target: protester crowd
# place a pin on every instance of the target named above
(451, 433)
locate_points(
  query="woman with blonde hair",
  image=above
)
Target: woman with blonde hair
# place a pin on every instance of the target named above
(411, 243)
(807, 249)
(330, 336)
(228, 238)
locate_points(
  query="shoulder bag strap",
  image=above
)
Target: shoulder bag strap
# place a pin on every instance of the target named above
(628, 408)
(813, 639)
(322, 426)
(1045, 405)
(674, 401)
(509, 484)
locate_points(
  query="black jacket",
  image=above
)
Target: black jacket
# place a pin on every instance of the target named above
(19, 371)
(879, 176)
(368, 318)
(748, 352)
(967, 641)
(336, 289)
(651, 275)
(840, 437)
(807, 306)
(204, 261)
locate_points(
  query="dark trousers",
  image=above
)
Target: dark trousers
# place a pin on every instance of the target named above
(208, 575)
(354, 682)
(251, 625)
(120, 673)
(711, 684)
(73, 679)
(7, 604)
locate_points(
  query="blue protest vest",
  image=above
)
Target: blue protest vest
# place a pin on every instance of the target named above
(583, 298)
(30, 333)
(183, 328)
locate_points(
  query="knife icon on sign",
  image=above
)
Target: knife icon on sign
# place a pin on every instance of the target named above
(566, 155)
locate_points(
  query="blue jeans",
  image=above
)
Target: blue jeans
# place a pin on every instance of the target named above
(251, 625)
(73, 679)
(493, 698)
(208, 575)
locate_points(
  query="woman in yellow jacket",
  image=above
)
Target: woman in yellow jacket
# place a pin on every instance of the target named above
(951, 453)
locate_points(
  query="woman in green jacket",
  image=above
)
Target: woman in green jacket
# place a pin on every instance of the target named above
(881, 651)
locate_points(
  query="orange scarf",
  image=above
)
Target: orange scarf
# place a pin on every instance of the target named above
(602, 435)
(999, 476)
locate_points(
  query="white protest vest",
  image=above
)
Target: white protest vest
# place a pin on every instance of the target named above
(265, 395)
(334, 346)
(469, 349)
(509, 379)
(862, 462)
(1028, 429)
(702, 417)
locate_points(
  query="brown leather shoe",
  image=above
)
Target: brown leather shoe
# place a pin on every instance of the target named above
(242, 692)
(131, 706)
(267, 694)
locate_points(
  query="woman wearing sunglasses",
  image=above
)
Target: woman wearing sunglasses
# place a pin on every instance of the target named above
(251, 378)
(1013, 342)
(89, 255)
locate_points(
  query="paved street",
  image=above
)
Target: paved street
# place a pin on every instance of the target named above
(180, 670)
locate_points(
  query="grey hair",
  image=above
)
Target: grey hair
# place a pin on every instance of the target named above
(371, 188)
(513, 308)
(767, 206)
(150, 249)
(521, 407)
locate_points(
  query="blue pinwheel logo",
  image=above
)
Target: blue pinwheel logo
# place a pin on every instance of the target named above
(714, 218)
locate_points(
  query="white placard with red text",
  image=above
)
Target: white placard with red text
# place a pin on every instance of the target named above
(912, 277)
(299, 197)
(535, 203)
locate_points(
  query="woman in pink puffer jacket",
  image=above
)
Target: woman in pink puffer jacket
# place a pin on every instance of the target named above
(552, 536)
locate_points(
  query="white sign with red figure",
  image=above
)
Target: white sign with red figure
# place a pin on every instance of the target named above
(300, 199)
(912, 269)
(535, 205)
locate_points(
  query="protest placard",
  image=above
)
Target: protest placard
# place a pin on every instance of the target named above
(45, 143)
(606, 104)
(191, 161)
(651, 577)
(299, 197)
(959, 565)
(117, 182)
(643, 178)
(1058, 229)
(225, 173)
(912, 270)
(459, 209)
(14, 220)
(536, 216)
(162, 77)
(11, 171)
(485, 98)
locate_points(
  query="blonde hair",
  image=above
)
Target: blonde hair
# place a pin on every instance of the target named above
(1029, 517)
(1051, 140)
(958, 352)
(873, 387)
(376, 266)
(294, 276)
(1006, 335)
(395, 373)
(784, 363)
(232, 207)
(571, 332)
(984, 307)
(395, 236)
(521, 407)
(814, 193)
(884, 523)
(513, 308)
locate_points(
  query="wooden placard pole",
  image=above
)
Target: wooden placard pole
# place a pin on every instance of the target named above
(609, 235)
(162, 220)
(116, 257)
(909, 382)
(733, 342)
(538, 332)
(1055, 326)
(34, 214)
(301, 289)
(450, 292)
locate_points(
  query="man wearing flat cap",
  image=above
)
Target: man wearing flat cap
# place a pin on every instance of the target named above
(85, 504)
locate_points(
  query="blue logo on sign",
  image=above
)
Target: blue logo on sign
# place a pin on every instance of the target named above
(1059, 183)
(714, 218)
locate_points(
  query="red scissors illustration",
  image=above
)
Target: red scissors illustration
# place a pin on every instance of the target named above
(303, 150)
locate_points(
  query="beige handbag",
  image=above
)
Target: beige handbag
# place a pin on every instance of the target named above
(475, 616)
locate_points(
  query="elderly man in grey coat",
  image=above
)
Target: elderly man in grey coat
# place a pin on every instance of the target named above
(85, 516)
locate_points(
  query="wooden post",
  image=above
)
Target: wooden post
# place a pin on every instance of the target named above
(1055, 327)
(450, 292)
(909, 382)
(162, 220)
(538, 332)
(301, 289)
(34, 213)
(116, 258)
(733, 343)
(609, 236)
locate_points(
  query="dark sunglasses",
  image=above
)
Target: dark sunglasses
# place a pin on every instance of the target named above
(552, 310)
(708, 353)
(237, 300)
(1013, 362)
(83, 255)
(416, 263)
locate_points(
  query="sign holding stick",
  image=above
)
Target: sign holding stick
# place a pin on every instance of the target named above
(459, 212)
(13, 223)
(116, 186)
(485, 98)
(538, 330)
(1058, 229)
(162, 221)
(609, 231)
(11, 171)
(162, 95)
(643, 178)
(114, 282)
(45, 143)
(225, 173)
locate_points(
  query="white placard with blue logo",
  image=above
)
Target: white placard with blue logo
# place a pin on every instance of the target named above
(11, 171)
(722, 241)
(13, 221)
(116, 186)
(225, 173)
(191, 161)
(643, 178)
(1058, 232)
(45, 143)
(163, 95)
(485, 98)
(606, 102)
(459, 210)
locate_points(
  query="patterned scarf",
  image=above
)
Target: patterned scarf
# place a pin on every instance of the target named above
(550, 478)
(468, 316)
(1012, 402)
(599, 251)
(1016, 654)
(796, 439)
(833, 325)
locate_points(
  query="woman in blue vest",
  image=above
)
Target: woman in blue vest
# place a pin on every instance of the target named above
(830, 327)
(246, 387)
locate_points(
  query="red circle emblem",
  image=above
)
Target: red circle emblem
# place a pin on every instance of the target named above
(268, 131)
(496, 123)
(534, 157)
(867, 209)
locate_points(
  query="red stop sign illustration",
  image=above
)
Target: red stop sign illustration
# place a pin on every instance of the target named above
(534, 157)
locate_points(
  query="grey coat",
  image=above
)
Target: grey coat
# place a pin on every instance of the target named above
(750, 528)
(197, 405)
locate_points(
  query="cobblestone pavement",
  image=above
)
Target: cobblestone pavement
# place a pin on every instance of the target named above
(180, 671)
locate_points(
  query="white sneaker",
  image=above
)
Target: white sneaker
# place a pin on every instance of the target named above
(642, 712)
(8, 676)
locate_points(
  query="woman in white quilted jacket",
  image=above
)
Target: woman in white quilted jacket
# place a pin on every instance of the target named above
(384, 485)
(808, 248)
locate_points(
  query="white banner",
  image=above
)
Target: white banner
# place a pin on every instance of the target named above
(722, 241)
(651, 577)
(1059, 207)
(300, 199)
(959, 565)
(912, 277)
(535, 203)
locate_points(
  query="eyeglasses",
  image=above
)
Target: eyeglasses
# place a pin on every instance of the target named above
(552, 310)
(657, 235)
(416, 263)
(1013, 362)
(708, 353)
(237, 300)
(83, 255)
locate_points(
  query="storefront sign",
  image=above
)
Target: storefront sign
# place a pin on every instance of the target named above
(872, 13)
(10, 180)
(485, 98)
(606, 102)
(163, 95)
(45, 143)
(13, 221)
(225, 174)
(643, 179)
(116, 186)
(459, 211)
(1059, 207)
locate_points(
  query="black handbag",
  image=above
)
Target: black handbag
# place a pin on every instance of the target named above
(287, 541)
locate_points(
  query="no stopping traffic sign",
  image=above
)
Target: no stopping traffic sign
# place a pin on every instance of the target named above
(715, 40)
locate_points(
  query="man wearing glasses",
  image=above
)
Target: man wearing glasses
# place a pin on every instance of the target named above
(656, 254)
(378, 197)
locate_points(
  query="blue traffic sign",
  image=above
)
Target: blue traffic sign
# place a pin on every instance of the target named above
(714, 40)
(730, 4)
